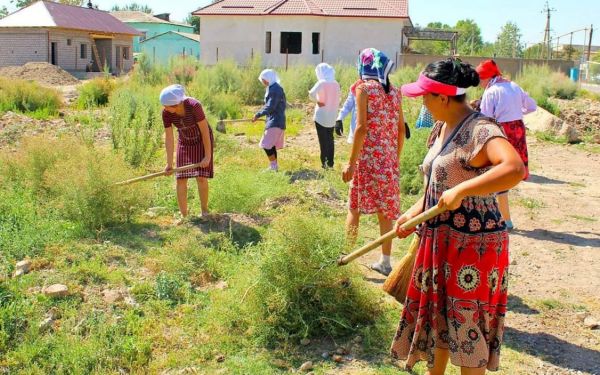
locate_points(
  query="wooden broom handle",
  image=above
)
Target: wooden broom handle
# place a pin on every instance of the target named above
(410, 224)
(240, 120)
(157, 174)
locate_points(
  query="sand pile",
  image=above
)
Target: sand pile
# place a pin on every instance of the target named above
(41, 72)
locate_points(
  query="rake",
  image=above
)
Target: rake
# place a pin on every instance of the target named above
(221, 128)
(157, 174)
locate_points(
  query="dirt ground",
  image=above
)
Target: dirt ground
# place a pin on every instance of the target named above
(555, 256)
(555, 262)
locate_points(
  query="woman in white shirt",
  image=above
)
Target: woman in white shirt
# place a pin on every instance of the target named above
(326, 92)
(506, 102)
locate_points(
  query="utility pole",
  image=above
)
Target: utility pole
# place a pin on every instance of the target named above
(589, 49)
(547, 38)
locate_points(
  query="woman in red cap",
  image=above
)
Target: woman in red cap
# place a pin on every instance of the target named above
(456, 300)
(506, 102)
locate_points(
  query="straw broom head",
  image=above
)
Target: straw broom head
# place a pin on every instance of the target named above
(397, 282)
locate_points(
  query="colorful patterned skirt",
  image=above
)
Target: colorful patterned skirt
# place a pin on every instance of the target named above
(457, 296)
(515, 132)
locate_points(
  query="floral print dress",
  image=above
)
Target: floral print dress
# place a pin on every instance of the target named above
(375, 186)
(457, 297)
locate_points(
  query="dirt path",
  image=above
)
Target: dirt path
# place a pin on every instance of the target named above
(555, 264)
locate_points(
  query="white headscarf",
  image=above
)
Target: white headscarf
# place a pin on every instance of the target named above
(325, 72)
(270, 76)
(172, 95)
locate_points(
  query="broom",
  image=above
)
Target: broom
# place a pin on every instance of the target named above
(410, 224)
(396, 284)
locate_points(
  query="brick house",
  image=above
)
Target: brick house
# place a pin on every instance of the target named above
(300, 31)
(75, 38)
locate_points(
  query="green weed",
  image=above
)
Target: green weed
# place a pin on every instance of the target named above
(29, 98)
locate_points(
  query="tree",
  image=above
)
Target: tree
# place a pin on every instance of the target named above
(3, 12)
(535, 51)
(133, 7)
(432, 47)
(469, 40)
(23, 3)
(508, 43)
(194, 21)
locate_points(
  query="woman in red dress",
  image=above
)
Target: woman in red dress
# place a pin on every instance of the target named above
(373, 167)
(456, 300)
(194, 144)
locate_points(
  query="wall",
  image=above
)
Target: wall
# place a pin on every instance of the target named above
(162, 48)
(19, 46)
(238, 38)
(153, 29)
(234, 37)
(122, 41)
(69, 57)
(510, 67)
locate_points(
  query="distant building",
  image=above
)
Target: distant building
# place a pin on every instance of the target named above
(163, 47)
(300, 31)
(150, 26)
(74, 38)
(577, 47)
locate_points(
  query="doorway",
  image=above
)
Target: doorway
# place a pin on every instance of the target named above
(53, 53)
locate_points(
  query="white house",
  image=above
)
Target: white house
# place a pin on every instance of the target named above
(300, 31)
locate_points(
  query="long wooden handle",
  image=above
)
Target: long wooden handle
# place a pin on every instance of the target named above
(410, 224)
(240, 120)
(157, 174)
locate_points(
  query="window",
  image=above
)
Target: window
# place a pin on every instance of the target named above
(291, 43)
(68, 42)
(125, 53)
(268, 42)
(316, 39)
(83, 51)
(143, 36)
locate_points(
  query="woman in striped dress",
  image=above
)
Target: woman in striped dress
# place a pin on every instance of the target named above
(194, 143)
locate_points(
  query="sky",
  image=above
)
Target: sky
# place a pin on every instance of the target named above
(490, 15)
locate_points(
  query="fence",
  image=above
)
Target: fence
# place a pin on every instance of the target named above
(510, 67)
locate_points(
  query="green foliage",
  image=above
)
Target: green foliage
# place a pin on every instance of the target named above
(169, 288)
(22, 234)
(73, 181)
(95, 92)
(28, 97)
(244, 190)
(542, 84)
(182, 70)
(415, 149)
(434, 47)
(136, 123)
(295, 290)
(470, 41)
(147, 73)
(508, 42)
(132, 7)
(297, 82)
(194, 21)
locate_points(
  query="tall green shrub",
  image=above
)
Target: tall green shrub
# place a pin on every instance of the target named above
(29, 98)
(136, 123)
(95, 92)
(542, 84)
